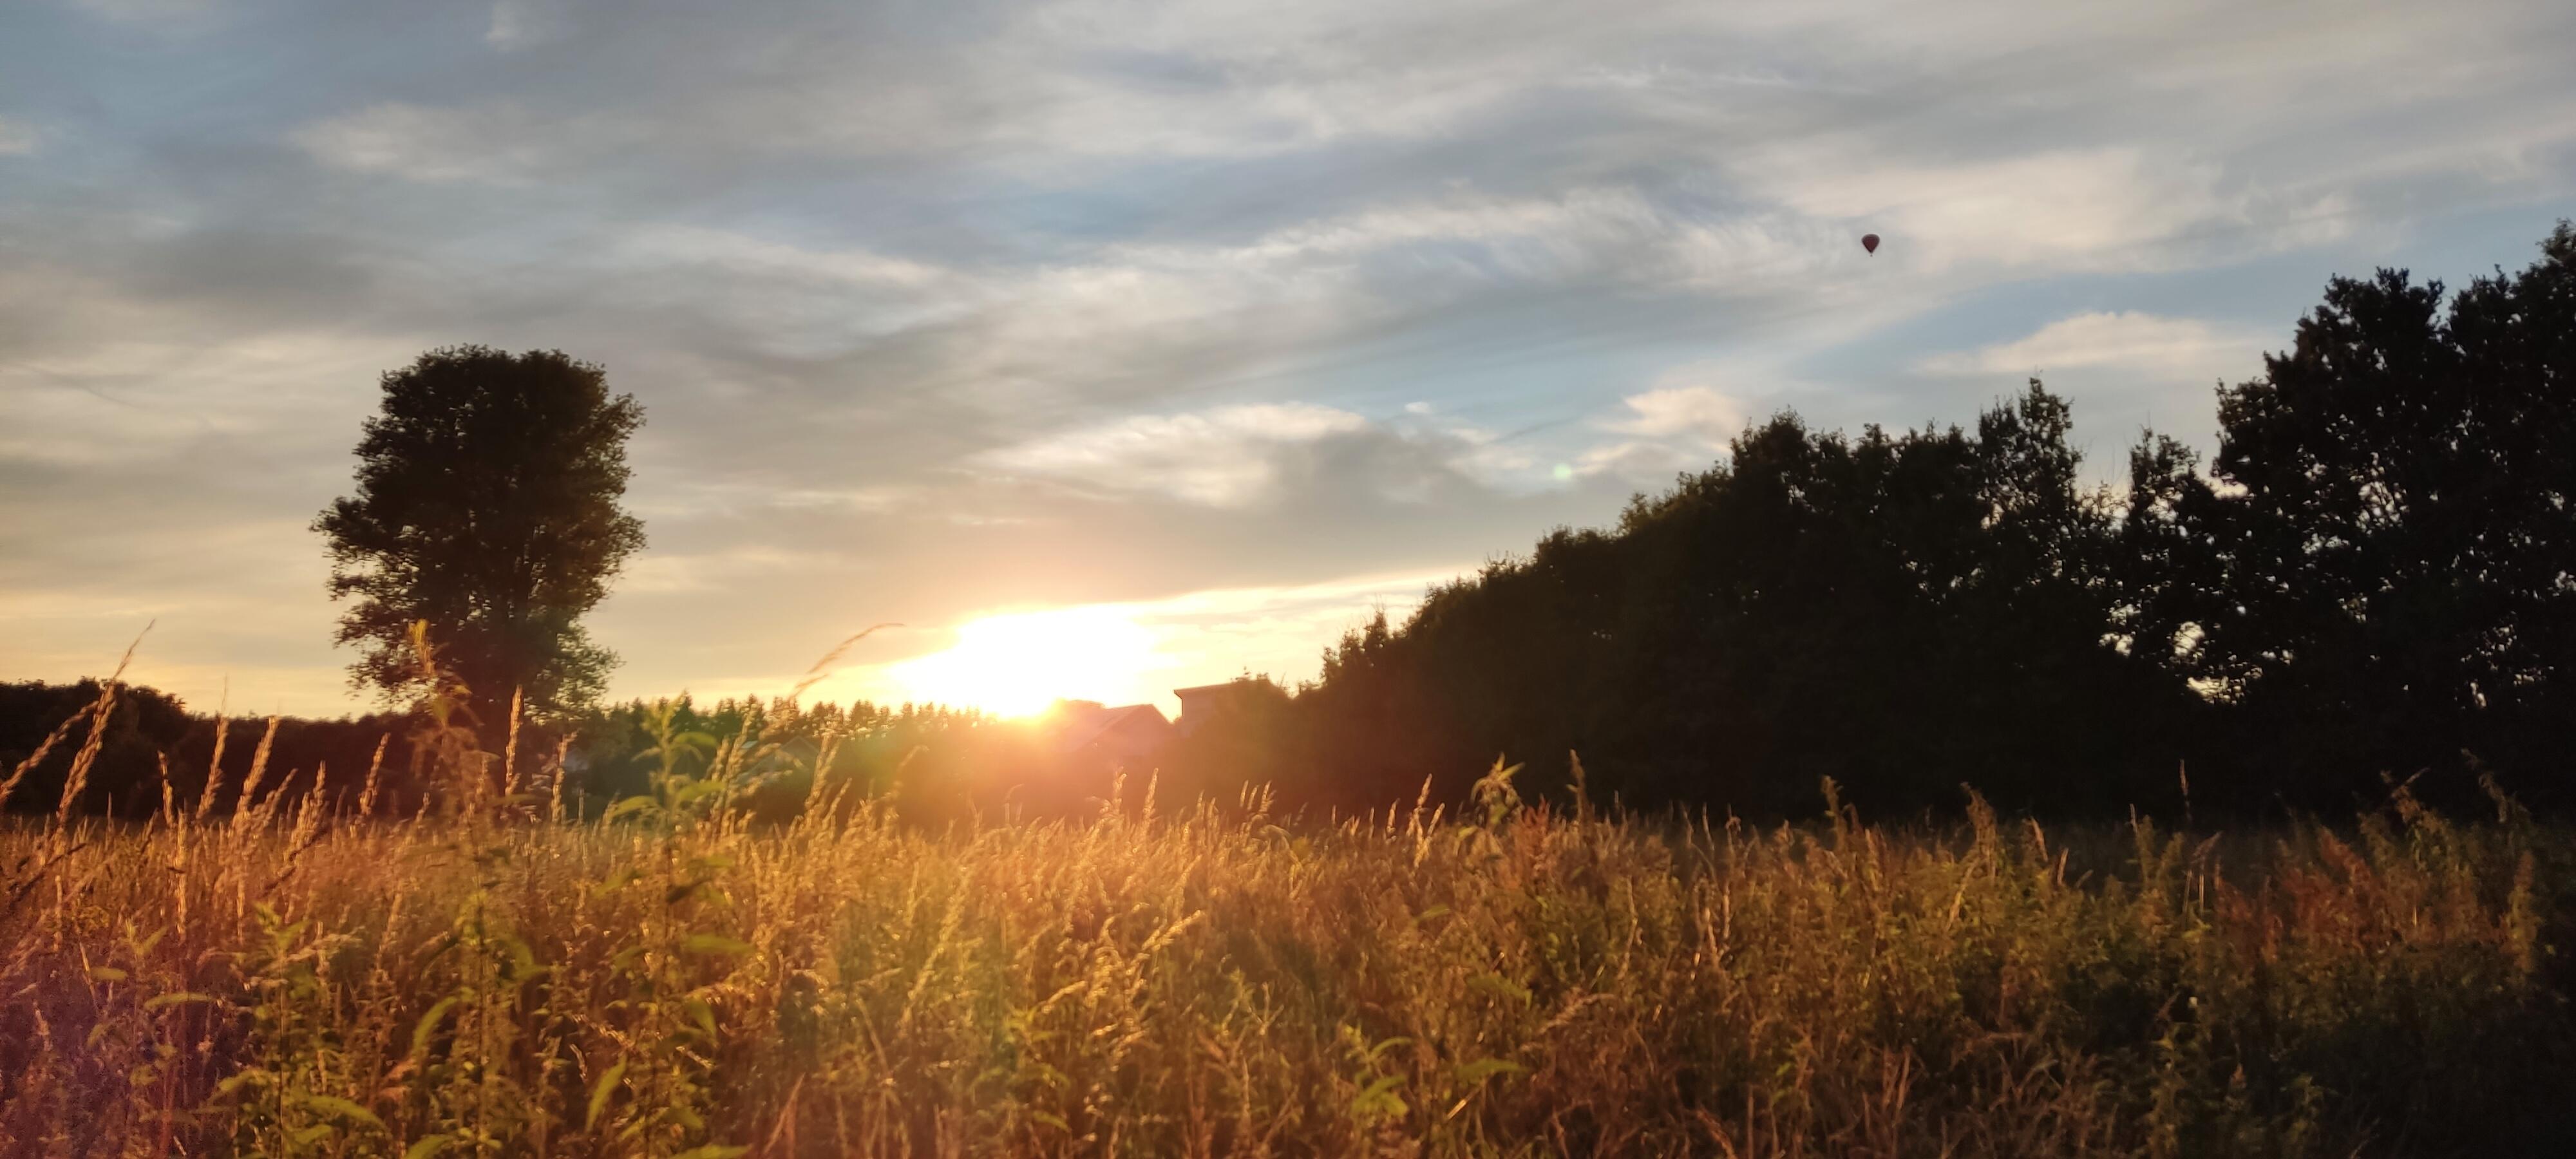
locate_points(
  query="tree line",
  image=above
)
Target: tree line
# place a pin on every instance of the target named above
(2373, 579)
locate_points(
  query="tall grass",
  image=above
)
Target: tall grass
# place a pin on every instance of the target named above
(492, 978)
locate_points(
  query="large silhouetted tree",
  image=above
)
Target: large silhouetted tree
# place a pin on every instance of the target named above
(2382, 575)
(487, 506)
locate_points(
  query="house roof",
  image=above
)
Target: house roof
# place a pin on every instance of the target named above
(1084, 725)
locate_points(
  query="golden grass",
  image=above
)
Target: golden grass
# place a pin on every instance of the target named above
(494, 979)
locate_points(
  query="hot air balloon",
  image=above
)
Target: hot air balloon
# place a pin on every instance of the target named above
(1869, 241)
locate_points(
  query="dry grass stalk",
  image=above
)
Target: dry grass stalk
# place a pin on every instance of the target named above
(215, 764)
(375, 771)
(245, 813)
(510, 750)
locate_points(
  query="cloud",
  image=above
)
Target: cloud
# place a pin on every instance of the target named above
(736, 498)
(500, 143)
(2114, 208)
(1226, 457)
(1699, 413)
(518, 24)
(1669, 429)
(122, 378)
(673, 573)
(2148, 343)
(1480, 453)
(162, 14)
(17, 138)
(784, 299)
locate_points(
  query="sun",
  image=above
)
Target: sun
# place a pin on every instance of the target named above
(1019, 663)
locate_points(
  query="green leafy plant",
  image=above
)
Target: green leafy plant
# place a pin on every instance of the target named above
(292, 1102)
(653, 1099)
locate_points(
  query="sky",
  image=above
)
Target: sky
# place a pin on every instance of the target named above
(1108, 347)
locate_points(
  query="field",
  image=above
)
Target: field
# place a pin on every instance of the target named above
(1528, 978)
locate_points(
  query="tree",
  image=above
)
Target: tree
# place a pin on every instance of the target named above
(487, 507)
(2384, 574)
(1900, 612)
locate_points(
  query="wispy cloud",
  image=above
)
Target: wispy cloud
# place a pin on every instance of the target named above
(501, 143)
(669, 573)
(1698, 413)
(2114, 208)
(17, 139)
(2149, 343)
(160, 14)
(1226, 457)
(1669, 429)
(518, 24)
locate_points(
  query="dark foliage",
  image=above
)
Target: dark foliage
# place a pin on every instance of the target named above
(1901, 613)
(487, 506)
(2380, 573)
(141, 727)
(150, 732)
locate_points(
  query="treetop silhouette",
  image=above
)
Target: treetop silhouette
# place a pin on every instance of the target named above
(486, 507)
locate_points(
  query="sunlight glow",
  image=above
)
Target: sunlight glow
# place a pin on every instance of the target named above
(1017, 664)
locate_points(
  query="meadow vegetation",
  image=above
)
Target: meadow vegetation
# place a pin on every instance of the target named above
(249, 972)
